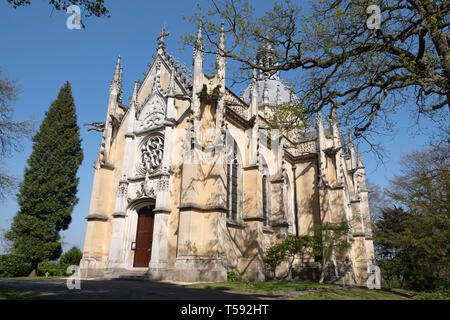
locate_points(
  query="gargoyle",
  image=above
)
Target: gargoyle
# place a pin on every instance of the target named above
(96, 126)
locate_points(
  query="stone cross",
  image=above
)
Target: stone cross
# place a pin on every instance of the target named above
(161, 37)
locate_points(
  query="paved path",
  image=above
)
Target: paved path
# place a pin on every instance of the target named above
(120, 289)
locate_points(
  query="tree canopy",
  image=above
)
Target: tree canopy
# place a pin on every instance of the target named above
(47, 195)
(367, 75)
(412, 238)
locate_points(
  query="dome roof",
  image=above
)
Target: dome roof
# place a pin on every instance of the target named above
(277, 91)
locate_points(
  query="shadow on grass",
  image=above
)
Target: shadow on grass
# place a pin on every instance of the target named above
(262, 287)
(355, 293)
(15, 295)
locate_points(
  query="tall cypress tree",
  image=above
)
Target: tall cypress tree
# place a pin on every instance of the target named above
(47, 194)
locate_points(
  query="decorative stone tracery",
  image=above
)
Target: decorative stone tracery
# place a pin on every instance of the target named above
(151, 154)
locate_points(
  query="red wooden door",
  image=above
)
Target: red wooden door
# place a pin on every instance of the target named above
(144, 237)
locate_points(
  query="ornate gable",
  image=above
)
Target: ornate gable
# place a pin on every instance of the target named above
(153, 112)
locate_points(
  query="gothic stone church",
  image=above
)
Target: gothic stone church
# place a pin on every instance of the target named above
(190, 183)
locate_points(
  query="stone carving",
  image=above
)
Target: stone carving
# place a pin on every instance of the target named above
(154, 116)
(151, 154)
(240, 110)
(305, 147)
(163, 183)
(101, 154)
(96, 126)
(146, 189)
(123, 187)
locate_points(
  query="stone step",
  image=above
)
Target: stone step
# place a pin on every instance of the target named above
(135, 274)
(136, 278)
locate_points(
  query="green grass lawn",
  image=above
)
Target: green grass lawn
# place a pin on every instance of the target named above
(357, 294)
(261, 286)
(15, 295)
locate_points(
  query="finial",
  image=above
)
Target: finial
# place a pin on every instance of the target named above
(333, 115)
(265, 93)
(220, 58)
(117, 70)
(118, 63)
(254, 74)
(198, 46)
(359, 161)
(199, 31)
(350, 137)
(116, 82)
(222, 37)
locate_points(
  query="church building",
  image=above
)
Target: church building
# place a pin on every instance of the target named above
(191, 183)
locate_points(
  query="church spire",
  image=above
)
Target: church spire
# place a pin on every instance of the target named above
(134, 95)
(359, 159)
(198, 46)
(351, 149)
(116, 83)
(220, 59)
(132, 110)
(198, 60)
(267, 56)
(335, 129)
(119, 94)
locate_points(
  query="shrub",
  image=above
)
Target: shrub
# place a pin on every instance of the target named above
(54, 269)
(12, 265)
(287, 249)
(437, 295)
(71, 257)
(232, 277)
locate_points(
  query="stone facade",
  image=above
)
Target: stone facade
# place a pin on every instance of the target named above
(222, 186)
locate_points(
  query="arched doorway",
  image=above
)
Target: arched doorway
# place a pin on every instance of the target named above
(144, 237)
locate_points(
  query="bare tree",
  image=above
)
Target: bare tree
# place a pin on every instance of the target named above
(11, 132)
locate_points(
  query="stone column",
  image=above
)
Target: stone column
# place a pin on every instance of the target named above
(116, 260)
(158, 260)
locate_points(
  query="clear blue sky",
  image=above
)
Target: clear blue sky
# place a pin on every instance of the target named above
(40, 53)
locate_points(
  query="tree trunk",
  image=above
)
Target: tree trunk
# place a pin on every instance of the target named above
(322, 272)
(34, 267)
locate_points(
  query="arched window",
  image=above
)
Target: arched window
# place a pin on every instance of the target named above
(233, 176)
(264, 199)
